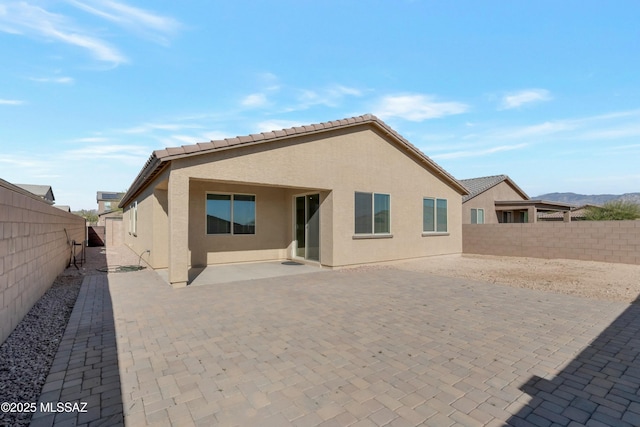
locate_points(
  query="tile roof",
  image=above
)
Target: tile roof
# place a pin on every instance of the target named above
(44, 191)
(159, 158)
(479, 185)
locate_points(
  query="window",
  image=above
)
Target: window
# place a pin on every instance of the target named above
(133, 218)
(507, 217)
(477, 216)
(231, 214)
(434, 215)
(372, 213)
(107, 206)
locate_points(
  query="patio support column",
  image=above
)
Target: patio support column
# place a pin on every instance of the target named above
(566, 216)
(533, 214)
(178, 196)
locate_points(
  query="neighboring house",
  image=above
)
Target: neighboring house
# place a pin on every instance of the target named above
(337, 193)
(108, 205)
(577, 214)
(65, 208)
(45, 192)
(497, 199)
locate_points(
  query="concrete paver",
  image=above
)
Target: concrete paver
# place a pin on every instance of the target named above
(363, 347)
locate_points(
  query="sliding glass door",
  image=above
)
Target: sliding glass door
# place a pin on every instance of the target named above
(307, 227)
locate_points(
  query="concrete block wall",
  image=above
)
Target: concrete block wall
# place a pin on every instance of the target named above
(33, 251)
(607, 241)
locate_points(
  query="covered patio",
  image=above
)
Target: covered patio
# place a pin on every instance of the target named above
(526, 211)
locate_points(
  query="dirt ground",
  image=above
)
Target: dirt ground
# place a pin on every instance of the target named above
(590, 279)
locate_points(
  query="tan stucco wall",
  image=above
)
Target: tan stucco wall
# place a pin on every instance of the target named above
(337, 166)
(502, 191)
(273, 233)
(33, 251)
(152, 225)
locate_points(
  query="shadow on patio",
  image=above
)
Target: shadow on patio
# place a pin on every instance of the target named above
(600, 387)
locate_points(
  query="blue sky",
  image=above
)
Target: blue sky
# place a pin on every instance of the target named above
(545, 91)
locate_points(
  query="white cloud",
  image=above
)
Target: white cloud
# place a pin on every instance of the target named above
(131, 154)
(132, 18)
(546, 128)
(152, 127)
(254, 100)
(477, 153)
(60, 80)
(23, 18)
(330, 96)
(11, 102)
(527, 96)
(416, 107)
(270, 125)
(92, 140)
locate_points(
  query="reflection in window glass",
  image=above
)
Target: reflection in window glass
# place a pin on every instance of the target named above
(441, 215)
(244, 214)
(434, 215)
(218, 214)
(363, 213)
(428, 215)
(381, 214)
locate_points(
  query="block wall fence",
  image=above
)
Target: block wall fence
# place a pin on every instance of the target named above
(607, 241)
(34, 250)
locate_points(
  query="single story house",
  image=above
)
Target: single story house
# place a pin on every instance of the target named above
(337, 193)
(497, 199)
(45, 192)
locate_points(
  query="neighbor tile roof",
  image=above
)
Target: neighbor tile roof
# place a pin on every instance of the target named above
(159, 158)
(477, 186)
(38, 190)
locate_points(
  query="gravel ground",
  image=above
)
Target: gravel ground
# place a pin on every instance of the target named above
(27, 354)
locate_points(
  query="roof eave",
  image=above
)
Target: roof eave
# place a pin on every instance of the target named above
(151, 169)
(161, 158)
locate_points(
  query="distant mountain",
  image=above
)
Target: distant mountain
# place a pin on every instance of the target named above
(586, 199)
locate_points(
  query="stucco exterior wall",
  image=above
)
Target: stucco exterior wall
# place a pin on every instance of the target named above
(336, 165)
(33, 251)
(114, 233)
(272, 236)
(486, 201)
(608, 241)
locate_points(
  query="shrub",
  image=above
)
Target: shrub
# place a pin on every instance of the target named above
(614, 211)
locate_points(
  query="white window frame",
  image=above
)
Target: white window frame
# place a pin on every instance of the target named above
(372, 233)
(133, 219)
(435, 231)
(232, 197)
(475, 217)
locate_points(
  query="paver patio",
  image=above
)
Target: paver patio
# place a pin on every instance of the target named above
(370, 347)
